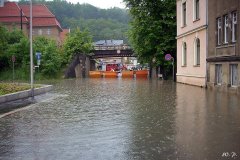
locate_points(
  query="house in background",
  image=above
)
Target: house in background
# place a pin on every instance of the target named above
(44, 22)
(12, 16)
(223, 45)
(191, 41)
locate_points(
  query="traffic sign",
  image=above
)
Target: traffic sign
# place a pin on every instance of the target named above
(168, 57)
(38, 55)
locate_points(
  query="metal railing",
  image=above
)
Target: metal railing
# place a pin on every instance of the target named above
(112, 47)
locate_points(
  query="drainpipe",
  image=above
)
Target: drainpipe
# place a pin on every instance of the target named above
(206, 74)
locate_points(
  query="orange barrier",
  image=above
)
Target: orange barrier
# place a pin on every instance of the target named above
(95, 74)
(142, 74)
(127, 74)
(109, 74)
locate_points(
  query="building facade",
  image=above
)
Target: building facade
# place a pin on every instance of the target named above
(13, 15)
(223, 60)
(191, 42)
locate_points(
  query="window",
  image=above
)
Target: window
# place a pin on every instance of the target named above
(225, 29)
(184, 54)
(234, 26)
(184, 14)
(196, 10)
(197, 52)
(218, 74)
(48, 31)
(234, 74)
(40, 32)
(219, 30)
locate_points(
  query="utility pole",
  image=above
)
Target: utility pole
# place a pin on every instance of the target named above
(21, 19)
(31, 51)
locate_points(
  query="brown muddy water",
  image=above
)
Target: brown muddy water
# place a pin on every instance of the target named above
(123, 119)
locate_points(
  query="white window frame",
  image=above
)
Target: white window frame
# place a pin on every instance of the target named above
(197, 51)
(184, 54)
(234, 26)
(226, 24)
(40, 32)
(219, 30)
(196, 10)
(218, 74)
(49, 31)
(184, 16)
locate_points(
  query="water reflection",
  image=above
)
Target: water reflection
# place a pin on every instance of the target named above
(208, 123)
(124, 119)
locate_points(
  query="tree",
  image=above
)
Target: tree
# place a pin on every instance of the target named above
(89, 17)
(13, 43)
(153, 29)
(51, 59)
(3, 47)
(77, 42)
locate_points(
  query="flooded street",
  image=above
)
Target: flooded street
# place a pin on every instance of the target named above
(124, 119)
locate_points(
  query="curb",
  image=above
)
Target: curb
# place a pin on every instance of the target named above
(25, 94)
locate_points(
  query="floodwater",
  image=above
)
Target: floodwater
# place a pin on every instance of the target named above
(123, 119)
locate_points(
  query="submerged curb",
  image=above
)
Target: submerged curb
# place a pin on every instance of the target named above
(25, 94)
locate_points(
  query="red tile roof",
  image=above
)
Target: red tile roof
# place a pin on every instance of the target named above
(45, 22)
(11, 13)
(39, 10)
(13, 19)
(41, 15)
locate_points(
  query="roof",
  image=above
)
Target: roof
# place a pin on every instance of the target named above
(38, 22)
(11, 12)
(42, 16)
(38, 10)
(109, 42)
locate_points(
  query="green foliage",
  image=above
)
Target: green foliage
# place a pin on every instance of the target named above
(100, 28)
(153, 29)
(77, 42)
(102, 23)
(13, 43)
(51, 59)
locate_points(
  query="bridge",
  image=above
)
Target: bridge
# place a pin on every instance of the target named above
(82, 64)
(112, 51)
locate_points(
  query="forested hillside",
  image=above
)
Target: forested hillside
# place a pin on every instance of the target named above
(101, 23)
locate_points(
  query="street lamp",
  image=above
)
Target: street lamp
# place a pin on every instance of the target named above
(31, 51)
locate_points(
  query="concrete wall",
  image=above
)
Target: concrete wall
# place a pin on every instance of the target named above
(79, 67)
(25, 94)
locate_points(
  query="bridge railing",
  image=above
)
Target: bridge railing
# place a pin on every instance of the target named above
(115, 47)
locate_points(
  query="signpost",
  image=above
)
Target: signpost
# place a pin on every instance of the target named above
(38, 57)
(169, 57)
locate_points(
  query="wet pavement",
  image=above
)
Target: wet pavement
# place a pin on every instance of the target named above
(123, 119)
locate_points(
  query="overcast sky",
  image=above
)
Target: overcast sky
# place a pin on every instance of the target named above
(104, 4)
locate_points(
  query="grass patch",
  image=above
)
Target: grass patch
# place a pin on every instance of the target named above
(6, 88)
(23, 75)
